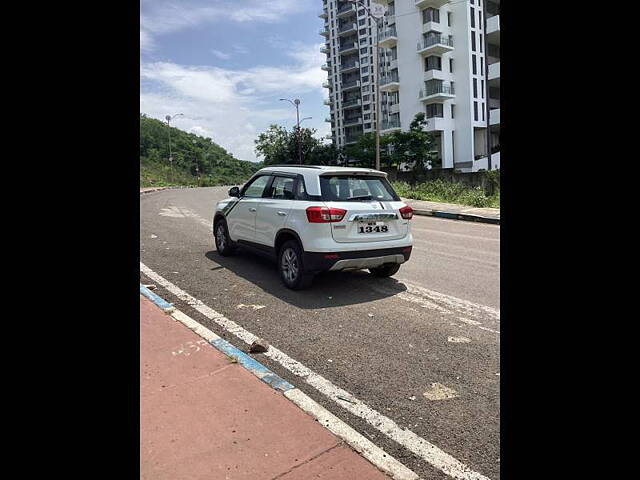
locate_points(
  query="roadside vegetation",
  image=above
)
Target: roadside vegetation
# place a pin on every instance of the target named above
(197, 161)
(440, 190)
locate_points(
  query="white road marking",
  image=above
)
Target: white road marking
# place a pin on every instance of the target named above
(405, 437)
(255, 307)
(458, 340)
(437, 391)
(182, 212)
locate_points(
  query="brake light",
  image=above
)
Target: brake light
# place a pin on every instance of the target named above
(406, 212)
(324, 214)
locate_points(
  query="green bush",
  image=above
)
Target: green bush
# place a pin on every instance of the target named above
(450, 192)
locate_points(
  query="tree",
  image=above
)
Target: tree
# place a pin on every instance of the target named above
(415, 146)
(279, 146)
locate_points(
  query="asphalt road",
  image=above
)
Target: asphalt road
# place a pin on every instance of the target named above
(386, 341)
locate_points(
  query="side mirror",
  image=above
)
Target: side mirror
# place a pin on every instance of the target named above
(234, 192)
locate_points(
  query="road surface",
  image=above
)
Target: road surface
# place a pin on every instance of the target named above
(420, 348)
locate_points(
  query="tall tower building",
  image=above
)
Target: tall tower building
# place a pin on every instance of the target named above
(433, 60)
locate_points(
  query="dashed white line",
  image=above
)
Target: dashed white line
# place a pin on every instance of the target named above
(406, 438)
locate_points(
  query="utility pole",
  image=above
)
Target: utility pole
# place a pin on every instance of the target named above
(296, 103)
(168, 119)
(486, 83)
(376, 14)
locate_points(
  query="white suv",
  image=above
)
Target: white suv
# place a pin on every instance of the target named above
(317, 218)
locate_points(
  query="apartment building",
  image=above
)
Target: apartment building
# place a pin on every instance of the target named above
(350, 34)
(433, 60)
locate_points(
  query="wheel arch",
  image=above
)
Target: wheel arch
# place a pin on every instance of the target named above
(283, 235)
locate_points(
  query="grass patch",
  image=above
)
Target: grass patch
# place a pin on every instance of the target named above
(156, 174)
(448, 192)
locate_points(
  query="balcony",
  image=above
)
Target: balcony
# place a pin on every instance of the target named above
(390, 126)
(324, 14)
(327, 102)
(494, 74)
(436, 124)
(391, 18)
(436, 93)
(348, 67)
(325, 50)
(350, 85)
(395, 108)
(494, 116)
(349, 48)
(390, 83)
(347, 29)
(435, 45)
(435, 75)
(352, 103)
(388, 38)
(346, 10)
(493, 26)
(350, 122)
(432, 27)
(327, 85)
(328, 119)
(329, 137)
(326, 67)
(431, 3)
(324, 32)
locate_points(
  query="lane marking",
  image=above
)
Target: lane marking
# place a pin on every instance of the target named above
(458, 340)
(429, 452)
(183, 212)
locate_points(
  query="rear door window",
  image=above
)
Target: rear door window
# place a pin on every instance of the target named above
(282, 188)
(256, 188)
(344, 188)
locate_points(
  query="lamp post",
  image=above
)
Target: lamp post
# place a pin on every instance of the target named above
(169, 118)
(296, 103)
(376, 14)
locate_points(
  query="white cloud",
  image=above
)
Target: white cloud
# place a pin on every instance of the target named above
(221, 55)
(167, 16)
(232, 106)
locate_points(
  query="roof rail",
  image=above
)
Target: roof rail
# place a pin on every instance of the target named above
(292, 165)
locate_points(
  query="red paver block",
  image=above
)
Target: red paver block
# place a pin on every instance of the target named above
(339, 463)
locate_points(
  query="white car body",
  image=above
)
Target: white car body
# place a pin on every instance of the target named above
(372, 233)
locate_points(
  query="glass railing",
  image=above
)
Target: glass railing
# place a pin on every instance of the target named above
(389, 32)
(435, 89)
(346, 8)
(350, 102)
(389, 79)
(352, 120)
(435, 40)
(353, 83)
(346, 66)
(348, 46)
(386, 124)
(348, 26)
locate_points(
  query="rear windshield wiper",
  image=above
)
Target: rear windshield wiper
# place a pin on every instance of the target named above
(361, 197)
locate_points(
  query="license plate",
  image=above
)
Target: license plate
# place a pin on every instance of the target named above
(373, 227)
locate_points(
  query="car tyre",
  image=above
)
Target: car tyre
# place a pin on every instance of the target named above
(291, 266)
(385, 270)
(224, 244)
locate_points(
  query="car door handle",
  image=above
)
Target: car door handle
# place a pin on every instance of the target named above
(282, 214)
(251, 209)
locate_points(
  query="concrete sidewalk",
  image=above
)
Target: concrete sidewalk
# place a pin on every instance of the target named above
(202, 416)
(454, 211)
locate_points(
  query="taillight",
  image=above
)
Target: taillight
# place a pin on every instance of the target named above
(324, 214)
(406, 212)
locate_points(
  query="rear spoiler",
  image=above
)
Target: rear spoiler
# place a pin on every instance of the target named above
(370, 173)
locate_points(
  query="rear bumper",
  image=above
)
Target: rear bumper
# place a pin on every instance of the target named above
(355, 260)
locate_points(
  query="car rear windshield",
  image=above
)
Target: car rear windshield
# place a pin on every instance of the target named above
(353, 188)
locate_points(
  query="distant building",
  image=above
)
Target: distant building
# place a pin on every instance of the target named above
(432, 61)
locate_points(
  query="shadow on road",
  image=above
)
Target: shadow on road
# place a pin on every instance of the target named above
(330, 289)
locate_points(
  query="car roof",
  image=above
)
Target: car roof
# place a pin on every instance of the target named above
(311, 173)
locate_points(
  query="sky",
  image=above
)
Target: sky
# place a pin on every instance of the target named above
(225, 64)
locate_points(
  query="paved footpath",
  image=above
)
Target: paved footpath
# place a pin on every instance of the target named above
(202, 416)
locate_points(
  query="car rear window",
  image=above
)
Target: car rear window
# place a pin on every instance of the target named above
(347, 188)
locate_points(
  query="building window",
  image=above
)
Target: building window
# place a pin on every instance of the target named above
(480, 43)
(363, 50)
(452, 111)
(482, 87)
(435, 110)
(451, 65)
(367, 116)
(473, 41)
(430, 15)
(361, 22)
(481, 65)
(363, 31)
(475, 88)
(367, 125)
(448, 19)
(365, 98)
(366, 107)
(473, 64)
(479, 17)
(475, 111)
(432, 63)
(473, 17)
(483, 112)
(365, 69)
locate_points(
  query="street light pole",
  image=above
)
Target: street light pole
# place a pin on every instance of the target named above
(296, 103)
(168, 119)
(378, 19)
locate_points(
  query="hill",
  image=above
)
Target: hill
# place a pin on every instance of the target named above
(196, 160)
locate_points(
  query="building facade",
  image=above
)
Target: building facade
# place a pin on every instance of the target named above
(433, 59)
